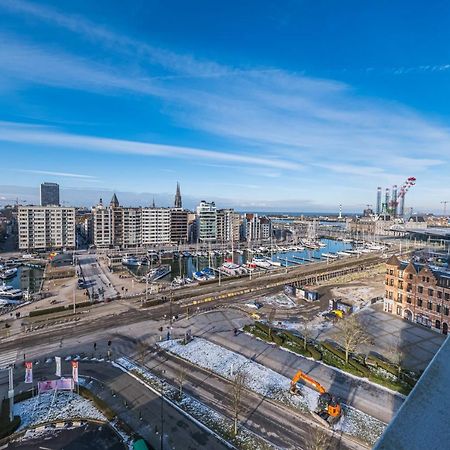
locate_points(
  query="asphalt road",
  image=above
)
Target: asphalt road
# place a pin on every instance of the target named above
(130, 400)
(94, 277)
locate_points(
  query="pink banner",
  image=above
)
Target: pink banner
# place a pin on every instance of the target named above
(64, 384)
(28, 372)
(75, 371)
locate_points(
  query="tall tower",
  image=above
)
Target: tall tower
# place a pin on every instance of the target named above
(114, 203)
(178, 203)
(378, 201)
(394, 201)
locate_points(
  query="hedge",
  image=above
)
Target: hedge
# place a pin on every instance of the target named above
(41, 312)
(387, 366)
(263, 327)
(277, 339)
(297, 339)
(314, 352)
(351, 362)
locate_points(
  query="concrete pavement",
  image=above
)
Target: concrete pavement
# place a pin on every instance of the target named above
(94, 276)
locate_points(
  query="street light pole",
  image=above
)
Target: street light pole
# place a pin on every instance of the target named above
(162, 414)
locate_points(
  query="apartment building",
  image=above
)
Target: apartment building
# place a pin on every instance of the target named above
(46, 227)
(156, 226)
(256, 228)
(228, 225)
(118, 226)
(206, 222)
(418, 293)
(179, 225)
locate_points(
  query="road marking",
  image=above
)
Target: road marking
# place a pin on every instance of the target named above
(8, 358)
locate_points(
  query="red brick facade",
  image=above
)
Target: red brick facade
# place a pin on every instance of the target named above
(418, 293)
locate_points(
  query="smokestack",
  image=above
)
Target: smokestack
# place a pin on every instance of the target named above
(378, 201)
(394, 200)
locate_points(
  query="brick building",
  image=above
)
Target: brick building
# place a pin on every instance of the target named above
(418, 293)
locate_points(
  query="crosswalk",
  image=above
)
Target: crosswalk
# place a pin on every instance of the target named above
(7, 358)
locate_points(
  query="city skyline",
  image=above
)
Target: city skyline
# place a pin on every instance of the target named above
(107, 99)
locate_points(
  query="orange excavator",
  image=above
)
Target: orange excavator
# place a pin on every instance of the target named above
(328, 409)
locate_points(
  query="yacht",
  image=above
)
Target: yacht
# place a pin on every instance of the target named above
(130, 261)
(159, 272)
(261, 262)
(8, 273)
(10, 293)
(200, 276)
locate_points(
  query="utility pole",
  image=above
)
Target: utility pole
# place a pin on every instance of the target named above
(162, 414)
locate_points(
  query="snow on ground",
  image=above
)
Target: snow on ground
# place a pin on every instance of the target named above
(269, 383)
(357, 292)
(226, 363)
(47, 407)
(280, 300)
(194, 408)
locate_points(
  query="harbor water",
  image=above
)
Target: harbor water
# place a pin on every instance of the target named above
(186, 266)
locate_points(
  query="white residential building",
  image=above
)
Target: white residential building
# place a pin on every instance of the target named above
(46, 227)
(257, 228)
(156, 226)
(206, 222)
(228, 225)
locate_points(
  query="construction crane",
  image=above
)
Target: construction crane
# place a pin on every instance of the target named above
(328, 409)
(445, 206)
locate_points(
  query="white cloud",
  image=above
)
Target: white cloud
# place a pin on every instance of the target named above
(59, 174)
(24, 134)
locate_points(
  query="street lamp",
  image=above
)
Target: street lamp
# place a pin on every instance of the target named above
(163, 384)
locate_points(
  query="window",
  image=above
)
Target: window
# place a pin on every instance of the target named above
(410, 277)
(438, 324)
(400, 284)
(447, 296)
(409, 287)
(420, 289)
(430, 292)
(428, 279)
(438, 308)
(391, 272)
(423, 279)
(439, 294)
(446, 310)
(419, 302)
(399, 310)
(391, 282)
(399, 297)
(408, 299)
(387, 282)
(430, 306)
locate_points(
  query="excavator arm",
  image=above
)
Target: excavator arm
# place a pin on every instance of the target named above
(302, 376)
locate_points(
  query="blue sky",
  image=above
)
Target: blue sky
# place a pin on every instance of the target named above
(295, 105)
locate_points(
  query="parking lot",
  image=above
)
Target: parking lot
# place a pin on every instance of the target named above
(390, 334)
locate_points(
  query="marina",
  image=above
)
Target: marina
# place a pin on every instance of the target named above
(202, 265)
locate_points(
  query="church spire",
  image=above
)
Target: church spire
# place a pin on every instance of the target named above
(114, 202)
(178, 202)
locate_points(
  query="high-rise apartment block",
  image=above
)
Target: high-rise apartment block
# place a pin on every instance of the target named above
(418, 293)
(49, 194)
(256, 228)
(206, 222)
(124, 227)
(46, 227)
(228, 225)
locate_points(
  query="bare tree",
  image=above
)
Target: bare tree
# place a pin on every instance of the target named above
(352, 334)
(180, 378)
(305, 330)
(319, 440)
(237, 389)
(397, 356)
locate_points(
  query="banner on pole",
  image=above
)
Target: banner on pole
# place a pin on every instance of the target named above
(58, 365)
(28, 372)
(75, 371)
(63, 384)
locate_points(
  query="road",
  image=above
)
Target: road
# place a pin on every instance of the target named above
(130, 400)
(94, 276)
(368, 397)
(280, 425)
